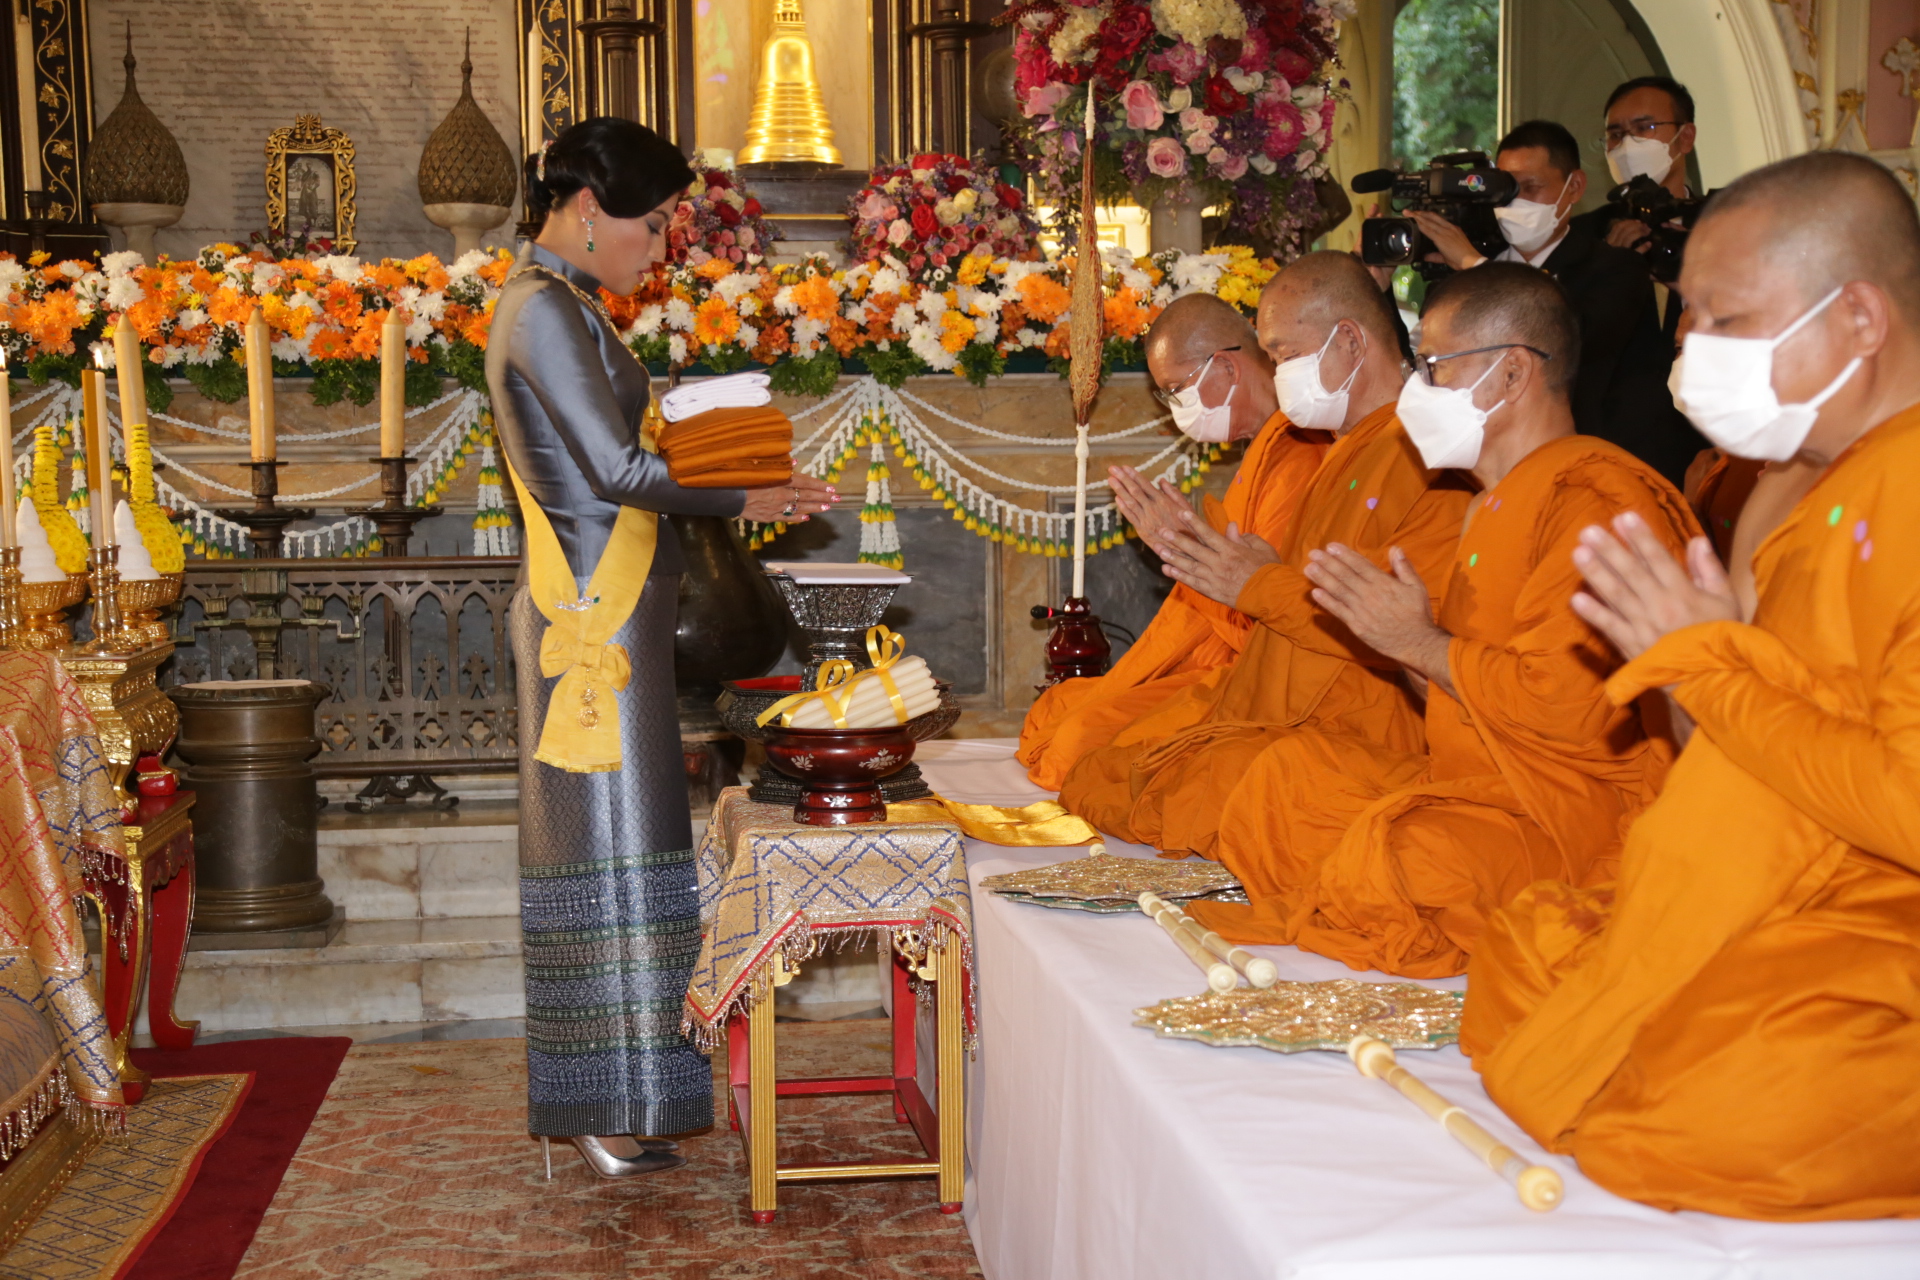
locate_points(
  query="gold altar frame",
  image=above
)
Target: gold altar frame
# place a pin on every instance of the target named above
(308, 137)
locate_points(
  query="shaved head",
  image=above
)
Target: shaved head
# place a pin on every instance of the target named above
(1318, 290)
(1829, 218)
(1194, 327)
(1507, 302)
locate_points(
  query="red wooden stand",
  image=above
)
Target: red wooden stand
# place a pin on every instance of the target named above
(750, 1061)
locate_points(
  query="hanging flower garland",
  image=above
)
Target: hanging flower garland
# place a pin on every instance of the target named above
(1200, 101)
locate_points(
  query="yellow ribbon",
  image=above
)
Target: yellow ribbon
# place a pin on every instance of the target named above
(1040, 824)
(581, 731)
(834, 682)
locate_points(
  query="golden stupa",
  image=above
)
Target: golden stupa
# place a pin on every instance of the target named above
(789, 123)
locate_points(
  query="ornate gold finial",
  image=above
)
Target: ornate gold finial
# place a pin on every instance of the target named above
(134, 159)
(789, 123)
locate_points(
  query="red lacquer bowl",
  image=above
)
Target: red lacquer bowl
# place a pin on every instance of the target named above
(840, 769)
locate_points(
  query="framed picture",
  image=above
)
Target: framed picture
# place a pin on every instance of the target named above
(310, 184)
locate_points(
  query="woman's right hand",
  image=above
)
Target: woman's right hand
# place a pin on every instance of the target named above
(789, 503)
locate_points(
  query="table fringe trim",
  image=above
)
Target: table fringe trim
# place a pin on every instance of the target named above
(801, 940)
(22, 1122)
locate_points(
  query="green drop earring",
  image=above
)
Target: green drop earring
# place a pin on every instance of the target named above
(589, 222)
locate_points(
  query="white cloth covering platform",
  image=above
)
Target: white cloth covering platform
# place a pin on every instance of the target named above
(1099, 1152)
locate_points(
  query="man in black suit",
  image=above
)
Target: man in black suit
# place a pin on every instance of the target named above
(1621, 392)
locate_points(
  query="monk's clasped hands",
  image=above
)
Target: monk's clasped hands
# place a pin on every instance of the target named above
(1150, 509)
(1391, 613)
(1217, 565)
(1637, 592)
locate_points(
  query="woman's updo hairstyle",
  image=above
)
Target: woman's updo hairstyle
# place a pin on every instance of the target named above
(629, 168)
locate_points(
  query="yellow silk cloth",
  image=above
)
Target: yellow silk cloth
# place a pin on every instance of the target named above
(581, 732)
(1043, 823)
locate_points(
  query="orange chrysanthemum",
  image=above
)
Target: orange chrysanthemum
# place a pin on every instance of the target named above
(1044, 298)
(1126, 318)
(956, 331)
(815, 298)
(330, 344)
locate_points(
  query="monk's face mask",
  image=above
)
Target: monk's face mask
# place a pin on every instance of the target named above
(1725, 386)
(1210, 424)
(1443, 422)
(1304, 396)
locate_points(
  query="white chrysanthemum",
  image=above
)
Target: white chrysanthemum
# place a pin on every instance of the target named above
(468, 264)
(933, 305)
(680, 314)
(1027, 337)
(1198, 272)
(11, 274)
(677, 349)
(986, 329)
(289, 348)
(123, 292)
(1073, 41)
(72, 270)
(807, 333)
(648, 322)
(419, 329)
(731, 288)
(341, 266)
(887, 280)
(191, 318)
(265, 277)
(748, 337)
(855, 311)
(783, 301)
(925, 343)
(1198, 21)
(170, 357)
(122, 263)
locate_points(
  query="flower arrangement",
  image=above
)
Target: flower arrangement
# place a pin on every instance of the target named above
(63, 532)
(936, 210)
(718, 219)
(805, 321)
(157, 533)
(1199, 101)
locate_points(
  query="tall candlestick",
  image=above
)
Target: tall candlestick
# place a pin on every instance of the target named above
(128, 358)
(393, 385)
(93, 383)
(9, 505)
(259, 350)
(30, 176)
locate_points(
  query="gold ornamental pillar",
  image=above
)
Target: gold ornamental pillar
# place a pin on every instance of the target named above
(789, 125)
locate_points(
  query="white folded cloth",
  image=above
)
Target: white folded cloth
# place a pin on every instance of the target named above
(736, 391)
(36, 552)
(135, 564)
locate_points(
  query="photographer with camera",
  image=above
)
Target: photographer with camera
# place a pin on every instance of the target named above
(1621, 393)
(1649, 134)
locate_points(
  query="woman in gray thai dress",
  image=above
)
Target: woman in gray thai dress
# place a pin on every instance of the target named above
(607, 896)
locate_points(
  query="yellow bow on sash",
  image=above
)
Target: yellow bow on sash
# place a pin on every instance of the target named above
(834, 682)
(581, 731)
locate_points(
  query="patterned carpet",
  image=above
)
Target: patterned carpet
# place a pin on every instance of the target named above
(419, 1165)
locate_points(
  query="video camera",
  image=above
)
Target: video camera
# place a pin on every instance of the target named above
(1463, 187)
(1647, 201)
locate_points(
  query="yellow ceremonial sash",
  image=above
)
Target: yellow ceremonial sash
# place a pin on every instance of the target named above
(581, 732)
(1043, 823)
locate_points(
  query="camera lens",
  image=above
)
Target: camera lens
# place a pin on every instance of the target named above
(1398, 241)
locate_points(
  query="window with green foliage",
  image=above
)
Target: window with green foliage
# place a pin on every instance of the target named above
(1446, 78)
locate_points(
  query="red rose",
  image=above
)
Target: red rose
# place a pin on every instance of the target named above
(956, 184)
(927, 160)
(1008, 196)
(728, 215)
(916, 262)
(924, 223)
(752, 209)
(718, 180)
(1222, 98)
(1293, 68)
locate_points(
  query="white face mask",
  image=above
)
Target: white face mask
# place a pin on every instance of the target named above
(1209, 425)
(1725, 387)
(1636, 156)
(1443, 422)
(1529, 224)
(1304, 398)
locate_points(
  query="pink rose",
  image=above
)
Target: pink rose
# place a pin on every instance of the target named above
(1199, 143)
(1046, 98)
(1165, 159)
(1183, 62)
(1143, 106)
(1227, 165)
(873, 208)
(897, 233)
(1194, 120)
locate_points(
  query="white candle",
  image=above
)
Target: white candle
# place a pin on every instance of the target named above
(7, 499)
(259, 352)
(393, 385)
(127, 358)
(534, 92)
(30, 175)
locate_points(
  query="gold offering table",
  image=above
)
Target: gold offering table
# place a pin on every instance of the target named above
(769, 889)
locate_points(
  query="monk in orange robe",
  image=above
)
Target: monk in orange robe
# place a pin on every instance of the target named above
(1732, 1026)
(1163, 777)
(1390, 859)
(1207, 363)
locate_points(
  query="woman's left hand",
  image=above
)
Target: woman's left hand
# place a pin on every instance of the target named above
(790, 503)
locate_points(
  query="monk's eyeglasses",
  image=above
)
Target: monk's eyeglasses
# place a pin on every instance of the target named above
(1165, 395)
(1429, 366)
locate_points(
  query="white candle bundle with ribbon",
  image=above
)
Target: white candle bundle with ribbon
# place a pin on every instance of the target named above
(892, 691)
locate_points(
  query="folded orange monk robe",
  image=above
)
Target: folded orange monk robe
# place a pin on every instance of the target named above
(729, 448)
(1393, 860)
(1733, 1027)
(1164, 777)
(1190, 635)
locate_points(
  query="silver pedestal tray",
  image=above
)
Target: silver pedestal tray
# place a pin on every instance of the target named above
(834, 604)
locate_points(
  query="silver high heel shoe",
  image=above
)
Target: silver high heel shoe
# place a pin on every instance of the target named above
(603, 1162)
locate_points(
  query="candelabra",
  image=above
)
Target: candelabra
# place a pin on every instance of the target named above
(392, 518)
(9, 596)
(263, 589)
(265, 520)
(105, 587)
